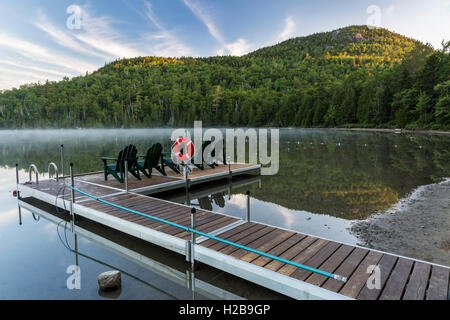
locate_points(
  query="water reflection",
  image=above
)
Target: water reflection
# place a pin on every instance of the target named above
(350, 175)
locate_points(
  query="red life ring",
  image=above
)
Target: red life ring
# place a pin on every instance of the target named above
(190, 147)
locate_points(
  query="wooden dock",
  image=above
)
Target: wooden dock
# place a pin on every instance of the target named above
(400, 277)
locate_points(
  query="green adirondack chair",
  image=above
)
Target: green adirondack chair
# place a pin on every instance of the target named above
(212, 165)
(167, 161)
(117, 170)
(152, 159)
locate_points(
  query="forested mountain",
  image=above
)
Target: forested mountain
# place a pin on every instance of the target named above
(355, 76)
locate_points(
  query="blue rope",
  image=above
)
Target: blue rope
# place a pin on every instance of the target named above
(324, 273)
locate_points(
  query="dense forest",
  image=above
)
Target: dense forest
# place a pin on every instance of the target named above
(351, 77)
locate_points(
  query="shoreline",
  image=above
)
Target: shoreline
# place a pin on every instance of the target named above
(423, 132)
(417, 226)
(387, 130)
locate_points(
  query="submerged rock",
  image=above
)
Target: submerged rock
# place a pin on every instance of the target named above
(109, 280)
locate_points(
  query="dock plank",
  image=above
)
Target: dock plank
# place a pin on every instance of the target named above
(316, 260)
(417, 284)
(278, 249)
(359, 278)
(304, 255)
(396, 282)
(229, 249)
(216, 245)
(437, 288)
(330, 265)
(268, 246)
(259, 244)
(386, 264)
(306, 242)
(229, 233)
(346, 269)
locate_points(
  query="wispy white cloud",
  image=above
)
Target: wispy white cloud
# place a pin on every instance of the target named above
(26, 66)
(99, 33)
(44, 55)
(164, 42)
(15, 73)
(151, 15)
(289, 30)
(64, 38)
(237, 48)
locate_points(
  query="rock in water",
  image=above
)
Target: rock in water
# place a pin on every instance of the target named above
(109, 280)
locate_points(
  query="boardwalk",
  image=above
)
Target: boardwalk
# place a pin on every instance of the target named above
(401, 277)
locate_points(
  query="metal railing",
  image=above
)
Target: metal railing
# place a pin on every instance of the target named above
(36, 172)
(52, 164)
(196, 232)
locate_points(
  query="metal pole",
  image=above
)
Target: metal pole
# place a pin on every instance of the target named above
(248, 205)
(192, 239)
(18, 194)
(76, 248)
(72, 213)
(230, 176)
(62, 160)
(186, 179)
(190, 283)
(126, 176)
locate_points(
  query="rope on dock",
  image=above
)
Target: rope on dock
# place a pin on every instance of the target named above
(264, 254)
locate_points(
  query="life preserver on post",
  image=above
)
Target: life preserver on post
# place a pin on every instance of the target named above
(190, 149)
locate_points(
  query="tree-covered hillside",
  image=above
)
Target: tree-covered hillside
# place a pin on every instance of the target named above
(354, 76)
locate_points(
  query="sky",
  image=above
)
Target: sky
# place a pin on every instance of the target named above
(51, 39)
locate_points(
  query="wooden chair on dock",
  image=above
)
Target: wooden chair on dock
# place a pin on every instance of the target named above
(168, 162)
(152, 160)
(213, 164)
(117, 170)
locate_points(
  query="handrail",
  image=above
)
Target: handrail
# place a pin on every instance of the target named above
(324, 273)
(36, 172)
(52, 164)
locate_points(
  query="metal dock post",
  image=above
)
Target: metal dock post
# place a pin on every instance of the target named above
(72, 213)
(248, 205)
(126, 176)
(192, 254)
(62, 160)
(18, 194)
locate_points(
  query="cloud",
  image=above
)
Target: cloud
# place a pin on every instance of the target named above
(151, 16)
(63, 38)
(44, 55)
(26, 66)
(7, 216)
(98, 33)
(164, 42)
(20, 77)
(237, 48)
(289, 29)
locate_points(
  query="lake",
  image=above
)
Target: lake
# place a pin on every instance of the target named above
(328, 180)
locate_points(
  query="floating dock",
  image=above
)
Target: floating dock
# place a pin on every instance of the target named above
(400, 277)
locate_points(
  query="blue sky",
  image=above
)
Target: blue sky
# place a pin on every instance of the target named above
(50, 39)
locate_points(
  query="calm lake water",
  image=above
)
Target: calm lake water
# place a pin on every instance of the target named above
(327, 180)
